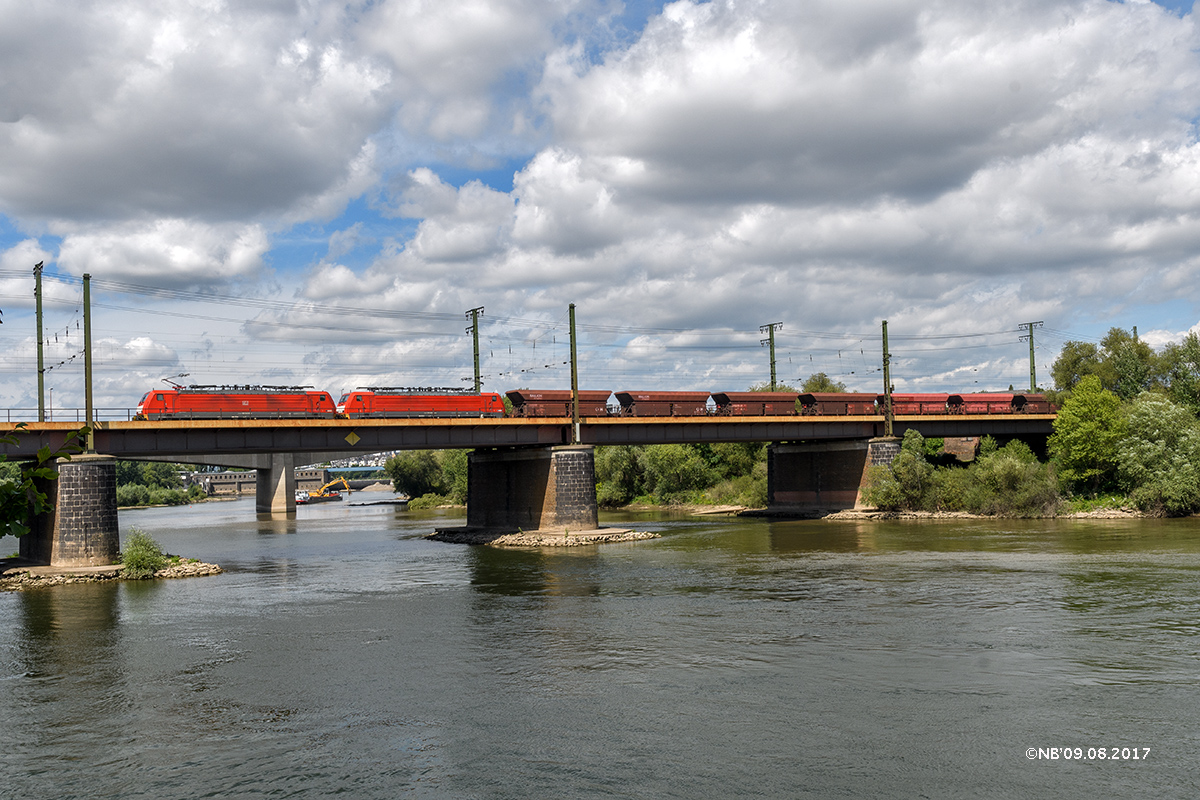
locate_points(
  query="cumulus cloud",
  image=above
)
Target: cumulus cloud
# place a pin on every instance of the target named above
(166, 252)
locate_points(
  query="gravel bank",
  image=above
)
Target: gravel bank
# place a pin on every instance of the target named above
(538, 538)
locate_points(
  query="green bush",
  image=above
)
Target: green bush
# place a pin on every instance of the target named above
(881, 489)
(611, 495)
(133, 494)
(619, 469)
(1008, 481)
(675, 472)
(142, 556)
(431, 500)
(168, 497)
(1158, 460)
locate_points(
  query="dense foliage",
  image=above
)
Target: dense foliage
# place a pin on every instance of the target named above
(430, 477)
(682, 473)
(1089, 426)
(1158, 459)
(1003, 481)
(1128, 421)
(154, 483)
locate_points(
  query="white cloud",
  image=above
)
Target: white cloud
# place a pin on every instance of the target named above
(167, 251)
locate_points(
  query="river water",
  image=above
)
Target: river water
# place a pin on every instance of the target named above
(341, 653)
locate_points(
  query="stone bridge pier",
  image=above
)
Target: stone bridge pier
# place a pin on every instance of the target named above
(80, 529)
(810, 477)
(532, 489)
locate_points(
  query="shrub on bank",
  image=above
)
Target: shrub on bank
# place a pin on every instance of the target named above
(168, 497)
(432, 500)
(1157, 460)
(1007, 481)
(133, 494)
(142, 556)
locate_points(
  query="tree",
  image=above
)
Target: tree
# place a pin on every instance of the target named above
(416, 473)
(1159, 459)
(454, 473)
(160, 475)
(1128, 364)
(820, 382)
(1076, 361)
(765, 386)
(674, 469)
(619, 474)
(1179, 366)
(1087, 430)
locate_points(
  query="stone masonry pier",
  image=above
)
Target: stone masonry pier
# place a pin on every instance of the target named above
(81, 529)
(543, 488)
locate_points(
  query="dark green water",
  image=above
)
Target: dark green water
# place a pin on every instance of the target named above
(341, 654)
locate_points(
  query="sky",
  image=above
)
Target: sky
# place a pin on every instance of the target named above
(300, 192)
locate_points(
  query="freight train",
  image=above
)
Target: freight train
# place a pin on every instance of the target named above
(276, 402)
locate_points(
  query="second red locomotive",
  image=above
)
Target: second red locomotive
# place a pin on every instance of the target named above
(391, 402)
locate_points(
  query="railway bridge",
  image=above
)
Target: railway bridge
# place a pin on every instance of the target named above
(524, 472)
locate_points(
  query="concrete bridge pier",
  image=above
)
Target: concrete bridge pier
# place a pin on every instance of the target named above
(80, 529)
(275, 490)
(531, 489)
(809, 477)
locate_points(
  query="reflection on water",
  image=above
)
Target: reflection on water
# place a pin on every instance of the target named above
(342, 653)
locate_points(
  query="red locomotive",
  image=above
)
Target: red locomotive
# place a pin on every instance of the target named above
(837, 404)
(557, 403)
(226, 402)
(392, 402)
(663, 404)
(756, 404)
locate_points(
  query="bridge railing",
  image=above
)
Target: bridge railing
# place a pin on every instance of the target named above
(68, 414)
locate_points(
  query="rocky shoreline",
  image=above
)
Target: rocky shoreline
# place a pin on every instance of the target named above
(18, 577)
(477, 536)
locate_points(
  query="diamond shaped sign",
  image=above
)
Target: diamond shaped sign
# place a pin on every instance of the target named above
(353, 438)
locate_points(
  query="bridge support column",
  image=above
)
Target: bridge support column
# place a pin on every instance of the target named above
(275, 492)
(816, 476)
(544, 488)
(81, 529)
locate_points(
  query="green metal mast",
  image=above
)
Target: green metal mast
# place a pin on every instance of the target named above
(474, 331)
(770, 331)
(1032, 368)
(87, 361)
(37, 296)
(887, 385)
(574, 383)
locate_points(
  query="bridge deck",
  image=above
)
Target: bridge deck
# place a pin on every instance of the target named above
(180, 437)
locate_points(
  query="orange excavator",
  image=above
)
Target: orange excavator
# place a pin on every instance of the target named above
(323, 495)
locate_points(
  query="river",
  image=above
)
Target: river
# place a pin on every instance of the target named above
(341, 653)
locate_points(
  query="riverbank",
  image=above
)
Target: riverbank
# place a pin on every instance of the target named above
(17, 574)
